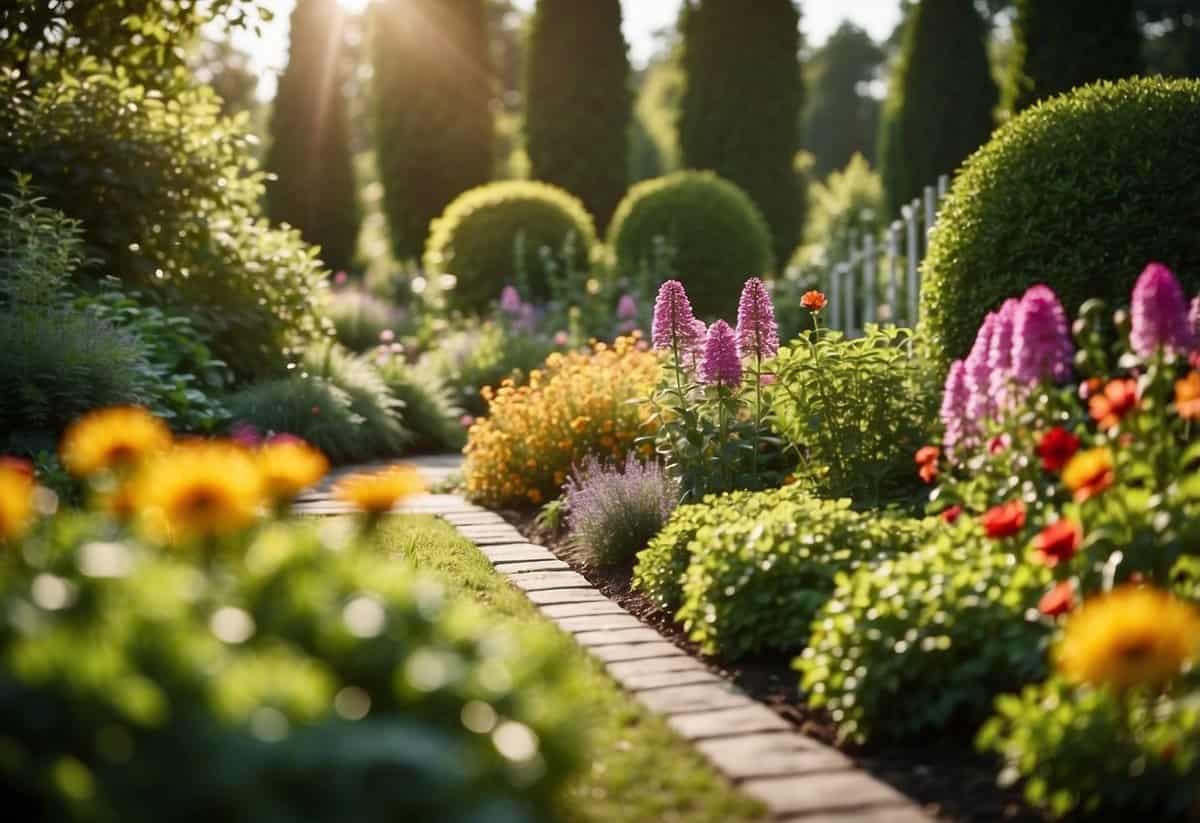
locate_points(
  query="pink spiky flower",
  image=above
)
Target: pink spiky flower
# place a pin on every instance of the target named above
(627, 308)
(1194, 318)
(1042, 347)
(510, 301)
(673, 328)
(953, 413)
(1159, 314)
(1000, 352)
(721, 365)
(757, 331)
(978, 375)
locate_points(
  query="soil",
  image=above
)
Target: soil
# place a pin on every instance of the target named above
(946, 776)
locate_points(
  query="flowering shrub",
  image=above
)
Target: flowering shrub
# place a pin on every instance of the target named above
(578, 405)
(612, 513)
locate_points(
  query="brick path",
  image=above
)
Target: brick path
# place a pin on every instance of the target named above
(799, 779)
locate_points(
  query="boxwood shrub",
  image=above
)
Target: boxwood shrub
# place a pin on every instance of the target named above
(1075, 192)
(718, 235)
(755, 582)
(476, 239)
(912, 643)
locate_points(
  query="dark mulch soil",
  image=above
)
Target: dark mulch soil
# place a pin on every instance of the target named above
(946, 776)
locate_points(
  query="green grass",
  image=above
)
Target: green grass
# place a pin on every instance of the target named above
(641, 772)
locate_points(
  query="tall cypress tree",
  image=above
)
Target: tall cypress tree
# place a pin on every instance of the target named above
(1061, 44)
(577, 101)
(310, 143)
(839, 120)
(741, 103)
(433, 120)
(940, 99)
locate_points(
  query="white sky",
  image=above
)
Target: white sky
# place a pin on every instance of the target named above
(642, 19)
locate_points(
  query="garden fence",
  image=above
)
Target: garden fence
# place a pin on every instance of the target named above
(880, 280)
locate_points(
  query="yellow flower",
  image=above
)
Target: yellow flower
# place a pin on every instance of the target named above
(16, 503)
(378, 492)
(112, 439)
(1089, 473)
(288, 467)
(1131, 636)
(200, 489)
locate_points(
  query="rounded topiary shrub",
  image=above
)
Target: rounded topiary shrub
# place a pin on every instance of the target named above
(477, 239)
(717, 234)
(1076, 193)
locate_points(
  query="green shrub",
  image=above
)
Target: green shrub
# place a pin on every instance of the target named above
(297, 681)
(908, 645)
(371, 400)
(478, 236)
(360, 318)
(168, 195)
(1076, 193)
(857, 410)
(719, 236)
(755, 582)
(470, 360)
(431, 415)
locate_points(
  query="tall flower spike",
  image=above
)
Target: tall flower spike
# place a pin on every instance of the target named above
(674, 322)
(1159, 314)
(721, 365)
(695, 353)
(999, 359)
(978, 375)
(1042, 347)
(954, 409)
(627, 308)
(510, 301)
(757, 331)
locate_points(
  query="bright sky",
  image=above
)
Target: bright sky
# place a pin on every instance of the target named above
(642, 19)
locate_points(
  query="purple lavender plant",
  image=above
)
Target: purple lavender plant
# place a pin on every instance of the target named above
(978, 374)
(999, 358)
(612, 513)
(721, 365)
(673, 328)
(958, 427)
(1159, 314)
(1042, 347)
(757, 331)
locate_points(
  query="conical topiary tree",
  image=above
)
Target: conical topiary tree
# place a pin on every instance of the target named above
(432, 100)
(940, 99)
(309, 154)
(1061, 44)
(577, 101)
(741, 104)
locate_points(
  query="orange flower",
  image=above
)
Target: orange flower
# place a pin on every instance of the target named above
(1117, 400)
(1058, 542)
(1059, 600)
(927, 460)
(1187, 396)
(16, 502)
(814, 301)
(1004, 520)
(1089, 473)
(378, 492)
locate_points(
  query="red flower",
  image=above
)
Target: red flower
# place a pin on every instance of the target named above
(1059, 600)
(813, 301)
(1056, 447)
(1004, 520)
(999, 443)
(1118, 399)
(1058, 542)
(952, 514)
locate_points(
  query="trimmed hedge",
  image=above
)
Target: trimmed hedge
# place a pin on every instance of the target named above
(1076, 193)
(475, 239)
(718, 235)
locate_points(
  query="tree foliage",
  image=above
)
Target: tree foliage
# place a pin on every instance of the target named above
(940, 100)
(314, 189)
(433, 120)
(741, 103)
(839, 119)
(577, 101)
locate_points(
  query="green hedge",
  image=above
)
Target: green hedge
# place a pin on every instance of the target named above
(718, 235)
(476, 239)
(1076, 192)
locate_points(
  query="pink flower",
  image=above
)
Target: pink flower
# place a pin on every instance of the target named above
(1042, 347)
(757, 331)
(674, 326)
(340, 278)
(954, 408)
(510, 301)
(467, 421)
(1194, 318)
(695, 354)
(978, 375)
(245, 434)
(387, 336)
(285, 438)
(721, 365)
(561, 338)
(627, 308)
(999, 358)
(1159, 314)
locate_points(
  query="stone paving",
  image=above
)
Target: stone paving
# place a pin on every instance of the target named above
(800, 780)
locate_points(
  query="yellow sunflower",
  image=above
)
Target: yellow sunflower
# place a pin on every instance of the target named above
(202, 489)
(288, 467)
(378, 492)
(112, 439)
(1129, 637)
(16, 503)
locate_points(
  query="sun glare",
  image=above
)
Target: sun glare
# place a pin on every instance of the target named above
(353, 6)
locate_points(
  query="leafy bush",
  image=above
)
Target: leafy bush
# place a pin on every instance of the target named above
(168, 195)
(430, 414)
(577, 406)
(477, 237)
(1004, 229)
(856, 409)
(908, 645)
(371, 400)
(470, 360)
(754, 583)
(360, 319)
(612, 513)
(718, 234)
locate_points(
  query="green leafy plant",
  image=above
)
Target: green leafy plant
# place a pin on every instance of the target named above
(380, 412)
(469, 360)
(430, 411)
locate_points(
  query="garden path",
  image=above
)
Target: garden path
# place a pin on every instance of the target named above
(798, 779)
